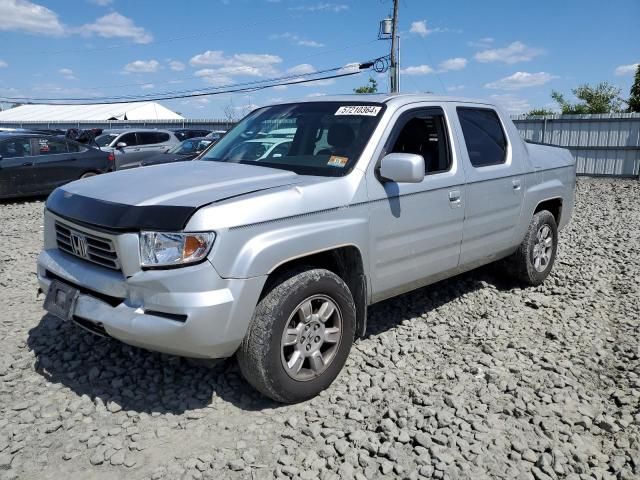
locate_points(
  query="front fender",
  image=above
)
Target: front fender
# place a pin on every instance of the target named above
(255, 250)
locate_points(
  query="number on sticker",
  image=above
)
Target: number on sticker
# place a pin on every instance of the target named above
(366, 110)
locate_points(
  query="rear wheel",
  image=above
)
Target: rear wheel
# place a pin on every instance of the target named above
(534, 259)
(300, 336)
(88, 174)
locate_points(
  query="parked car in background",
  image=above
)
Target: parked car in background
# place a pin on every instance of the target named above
(216, 134)
(186, 133)
(186, 150)
(132, 146)
(36, 164)
(261, 149)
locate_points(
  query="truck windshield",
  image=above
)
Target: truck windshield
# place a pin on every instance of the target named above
(316, 138)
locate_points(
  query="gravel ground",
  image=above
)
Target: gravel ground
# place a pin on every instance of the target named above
(470, 378)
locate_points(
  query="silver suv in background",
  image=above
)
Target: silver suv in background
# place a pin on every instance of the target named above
(132, 146)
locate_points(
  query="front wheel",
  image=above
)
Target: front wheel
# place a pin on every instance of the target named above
(300, 336)
(533, 260)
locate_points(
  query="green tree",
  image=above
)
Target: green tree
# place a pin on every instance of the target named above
(634, 94)
(370, 87)
(602, 98)
(540, 112)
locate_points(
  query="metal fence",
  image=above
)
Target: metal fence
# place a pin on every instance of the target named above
(607, 144)
(603, 145)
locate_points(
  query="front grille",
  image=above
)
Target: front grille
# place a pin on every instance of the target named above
(87, 246)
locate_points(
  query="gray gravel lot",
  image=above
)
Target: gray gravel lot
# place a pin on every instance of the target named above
(469, 378)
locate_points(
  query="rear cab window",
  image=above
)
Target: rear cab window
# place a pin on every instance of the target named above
(484, 136)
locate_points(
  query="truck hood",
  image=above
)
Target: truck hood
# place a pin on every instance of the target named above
(161, 197)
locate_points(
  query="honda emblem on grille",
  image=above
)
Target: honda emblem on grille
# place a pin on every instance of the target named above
(79, 245)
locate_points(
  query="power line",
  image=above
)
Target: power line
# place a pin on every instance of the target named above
(234, 88)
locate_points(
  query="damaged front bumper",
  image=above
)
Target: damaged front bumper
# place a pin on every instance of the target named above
(189, 311)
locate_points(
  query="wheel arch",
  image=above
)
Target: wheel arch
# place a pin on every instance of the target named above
(346, 261)
(553, 205)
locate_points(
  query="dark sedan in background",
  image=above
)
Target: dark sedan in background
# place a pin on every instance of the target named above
(36, 164)
(187, 150)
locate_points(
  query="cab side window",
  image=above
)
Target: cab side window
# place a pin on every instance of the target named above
(18, 147)
(424, 133)
(483, 135)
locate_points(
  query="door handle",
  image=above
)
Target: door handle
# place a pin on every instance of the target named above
(516, 185)
(455, 199)
(27, 164)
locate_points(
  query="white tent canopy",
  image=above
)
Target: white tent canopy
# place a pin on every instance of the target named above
(114, 111)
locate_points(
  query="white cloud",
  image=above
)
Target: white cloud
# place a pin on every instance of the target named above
(239, 64)
(116, 25)
(102, 3)
(420, 28)
(455, 88)
(213, 77)
(176, 66)
(485, 42)
(626, 69)
(297, 40)
(457, 63)
(417, 70)
(301, 69)
(142, 66)
(511, 103)
(3, 64)
(324, 7)
(515, 52)
(25, 16)
(147, 86)
(67, 73)
(521, 80)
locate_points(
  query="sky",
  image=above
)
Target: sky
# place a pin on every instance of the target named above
(511, 52)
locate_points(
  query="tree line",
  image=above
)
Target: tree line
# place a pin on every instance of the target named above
(600, 98)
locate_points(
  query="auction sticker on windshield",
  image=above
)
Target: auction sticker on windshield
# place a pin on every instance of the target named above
(367, 110)
(335, 161)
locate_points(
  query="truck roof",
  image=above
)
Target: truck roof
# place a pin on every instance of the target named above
(396, 99)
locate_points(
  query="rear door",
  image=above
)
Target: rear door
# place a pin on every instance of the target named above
(152, 143)
(16, 167)
(494, 189)
(54, 165)
(416, 228)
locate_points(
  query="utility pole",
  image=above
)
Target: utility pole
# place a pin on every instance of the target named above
(394, 71)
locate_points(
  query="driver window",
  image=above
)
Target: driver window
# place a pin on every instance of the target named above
(424, 133)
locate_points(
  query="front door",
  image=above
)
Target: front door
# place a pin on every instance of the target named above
(416, 228)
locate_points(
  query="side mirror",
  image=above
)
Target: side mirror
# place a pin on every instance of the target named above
(121, 145)
(402, 168)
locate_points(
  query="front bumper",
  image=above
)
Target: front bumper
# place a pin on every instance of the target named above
(189, 311)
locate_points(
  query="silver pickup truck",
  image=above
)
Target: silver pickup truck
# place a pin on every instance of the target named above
(271, 248)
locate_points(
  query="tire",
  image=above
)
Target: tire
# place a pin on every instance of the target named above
(531, 263)
(263, 357)
(88, 175)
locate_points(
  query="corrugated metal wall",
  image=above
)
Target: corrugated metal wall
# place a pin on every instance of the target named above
(605, 144)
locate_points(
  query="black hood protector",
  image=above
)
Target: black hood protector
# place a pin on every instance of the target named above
(118, 216)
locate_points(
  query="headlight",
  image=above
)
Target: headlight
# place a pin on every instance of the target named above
(164, 249)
